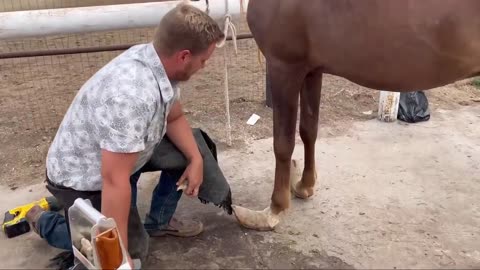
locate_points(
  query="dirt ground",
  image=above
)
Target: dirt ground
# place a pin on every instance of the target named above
(35, 93)
(31, 109)
(389, 196)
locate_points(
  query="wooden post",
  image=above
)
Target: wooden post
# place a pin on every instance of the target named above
(388, 106)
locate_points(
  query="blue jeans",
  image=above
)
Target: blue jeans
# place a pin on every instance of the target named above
(52, 226)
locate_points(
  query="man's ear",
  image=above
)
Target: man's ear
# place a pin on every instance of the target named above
(184, 55)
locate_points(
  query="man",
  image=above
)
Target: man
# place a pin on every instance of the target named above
(113, 126)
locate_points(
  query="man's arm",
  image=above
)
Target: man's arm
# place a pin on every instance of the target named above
(180, 133)
(116, 192)
(121, 139)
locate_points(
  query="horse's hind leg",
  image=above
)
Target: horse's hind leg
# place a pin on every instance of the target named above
(309, 110)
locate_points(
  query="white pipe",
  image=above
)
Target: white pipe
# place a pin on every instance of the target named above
(38, 23)
(388, 106)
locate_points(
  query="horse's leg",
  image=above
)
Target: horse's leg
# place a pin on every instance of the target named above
(286, 82)
(309, 109)
(286, 87)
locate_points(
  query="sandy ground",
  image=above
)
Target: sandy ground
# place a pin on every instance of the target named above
(35, 93)
(389, 196)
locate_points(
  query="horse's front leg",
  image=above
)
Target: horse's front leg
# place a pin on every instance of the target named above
(286, 82)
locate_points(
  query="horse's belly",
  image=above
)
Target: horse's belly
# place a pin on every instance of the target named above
(395, 44)
(409, 64)
(398, 75)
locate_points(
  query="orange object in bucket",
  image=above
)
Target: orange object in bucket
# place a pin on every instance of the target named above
(108, 249)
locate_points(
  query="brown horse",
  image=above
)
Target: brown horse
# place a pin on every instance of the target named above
(391, 45)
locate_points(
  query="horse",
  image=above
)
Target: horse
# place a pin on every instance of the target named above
(386, 45)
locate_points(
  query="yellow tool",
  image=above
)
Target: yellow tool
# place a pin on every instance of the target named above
(15, 222)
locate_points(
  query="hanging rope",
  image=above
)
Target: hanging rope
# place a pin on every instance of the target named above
(228, 26)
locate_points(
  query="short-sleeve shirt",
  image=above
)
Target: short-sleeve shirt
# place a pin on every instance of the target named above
(122, 108)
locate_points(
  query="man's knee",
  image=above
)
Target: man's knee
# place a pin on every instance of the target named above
(53, 227)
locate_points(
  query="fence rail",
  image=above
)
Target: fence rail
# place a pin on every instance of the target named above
(18, 5)
(38, 23)
(119, 47)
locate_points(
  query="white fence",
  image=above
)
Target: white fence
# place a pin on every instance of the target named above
(35, 23)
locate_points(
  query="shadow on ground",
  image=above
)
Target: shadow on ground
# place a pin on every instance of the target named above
(224, 244)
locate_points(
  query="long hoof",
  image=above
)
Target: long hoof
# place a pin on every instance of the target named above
(256, 220)
(296, 184)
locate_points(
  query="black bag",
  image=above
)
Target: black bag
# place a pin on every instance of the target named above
(413, 107)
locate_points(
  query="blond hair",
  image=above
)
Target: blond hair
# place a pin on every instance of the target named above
(186, 28)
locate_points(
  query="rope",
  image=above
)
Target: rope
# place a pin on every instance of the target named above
(228, 26)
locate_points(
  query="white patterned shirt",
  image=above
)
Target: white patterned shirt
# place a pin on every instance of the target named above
(122, 108)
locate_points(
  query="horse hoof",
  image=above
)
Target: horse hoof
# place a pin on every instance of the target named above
(256, 220)
(302, 192)
(296, 184)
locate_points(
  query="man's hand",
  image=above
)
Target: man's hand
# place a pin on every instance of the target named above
(180, 133)
(194, 176)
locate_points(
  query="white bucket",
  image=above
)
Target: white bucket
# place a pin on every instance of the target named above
(86, 222)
